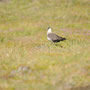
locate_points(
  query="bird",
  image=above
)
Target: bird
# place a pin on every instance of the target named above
(53, 37)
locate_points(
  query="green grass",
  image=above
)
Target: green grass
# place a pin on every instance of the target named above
(23, 42)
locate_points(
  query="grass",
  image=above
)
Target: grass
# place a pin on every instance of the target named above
(23, 42)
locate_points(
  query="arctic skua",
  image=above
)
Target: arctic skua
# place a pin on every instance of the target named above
(53, 37)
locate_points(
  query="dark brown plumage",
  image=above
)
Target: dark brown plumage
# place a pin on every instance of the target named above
(55, 38)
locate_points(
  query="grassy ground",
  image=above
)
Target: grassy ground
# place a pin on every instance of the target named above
(28, 61)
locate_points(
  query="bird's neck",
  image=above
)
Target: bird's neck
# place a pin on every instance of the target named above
(49, 31)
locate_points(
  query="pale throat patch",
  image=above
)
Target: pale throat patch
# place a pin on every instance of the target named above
(49, 31)
(48, 38)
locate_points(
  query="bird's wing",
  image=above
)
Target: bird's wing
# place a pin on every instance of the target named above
(54, 36)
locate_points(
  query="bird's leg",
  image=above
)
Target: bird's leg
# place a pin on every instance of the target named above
(56, 44)
(52, 43)
(59, 45)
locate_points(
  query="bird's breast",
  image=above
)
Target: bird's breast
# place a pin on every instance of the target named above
(48, 38)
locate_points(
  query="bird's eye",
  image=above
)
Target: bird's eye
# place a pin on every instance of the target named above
(48, 27)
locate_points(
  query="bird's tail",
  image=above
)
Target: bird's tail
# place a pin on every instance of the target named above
(63, 39)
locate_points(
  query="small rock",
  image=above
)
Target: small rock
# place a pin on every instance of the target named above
(4, 0)
(12, 73)
(23, 69)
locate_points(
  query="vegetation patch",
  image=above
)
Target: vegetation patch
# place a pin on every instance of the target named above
(28, 60)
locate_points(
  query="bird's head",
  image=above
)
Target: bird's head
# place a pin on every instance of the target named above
(49, 30)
